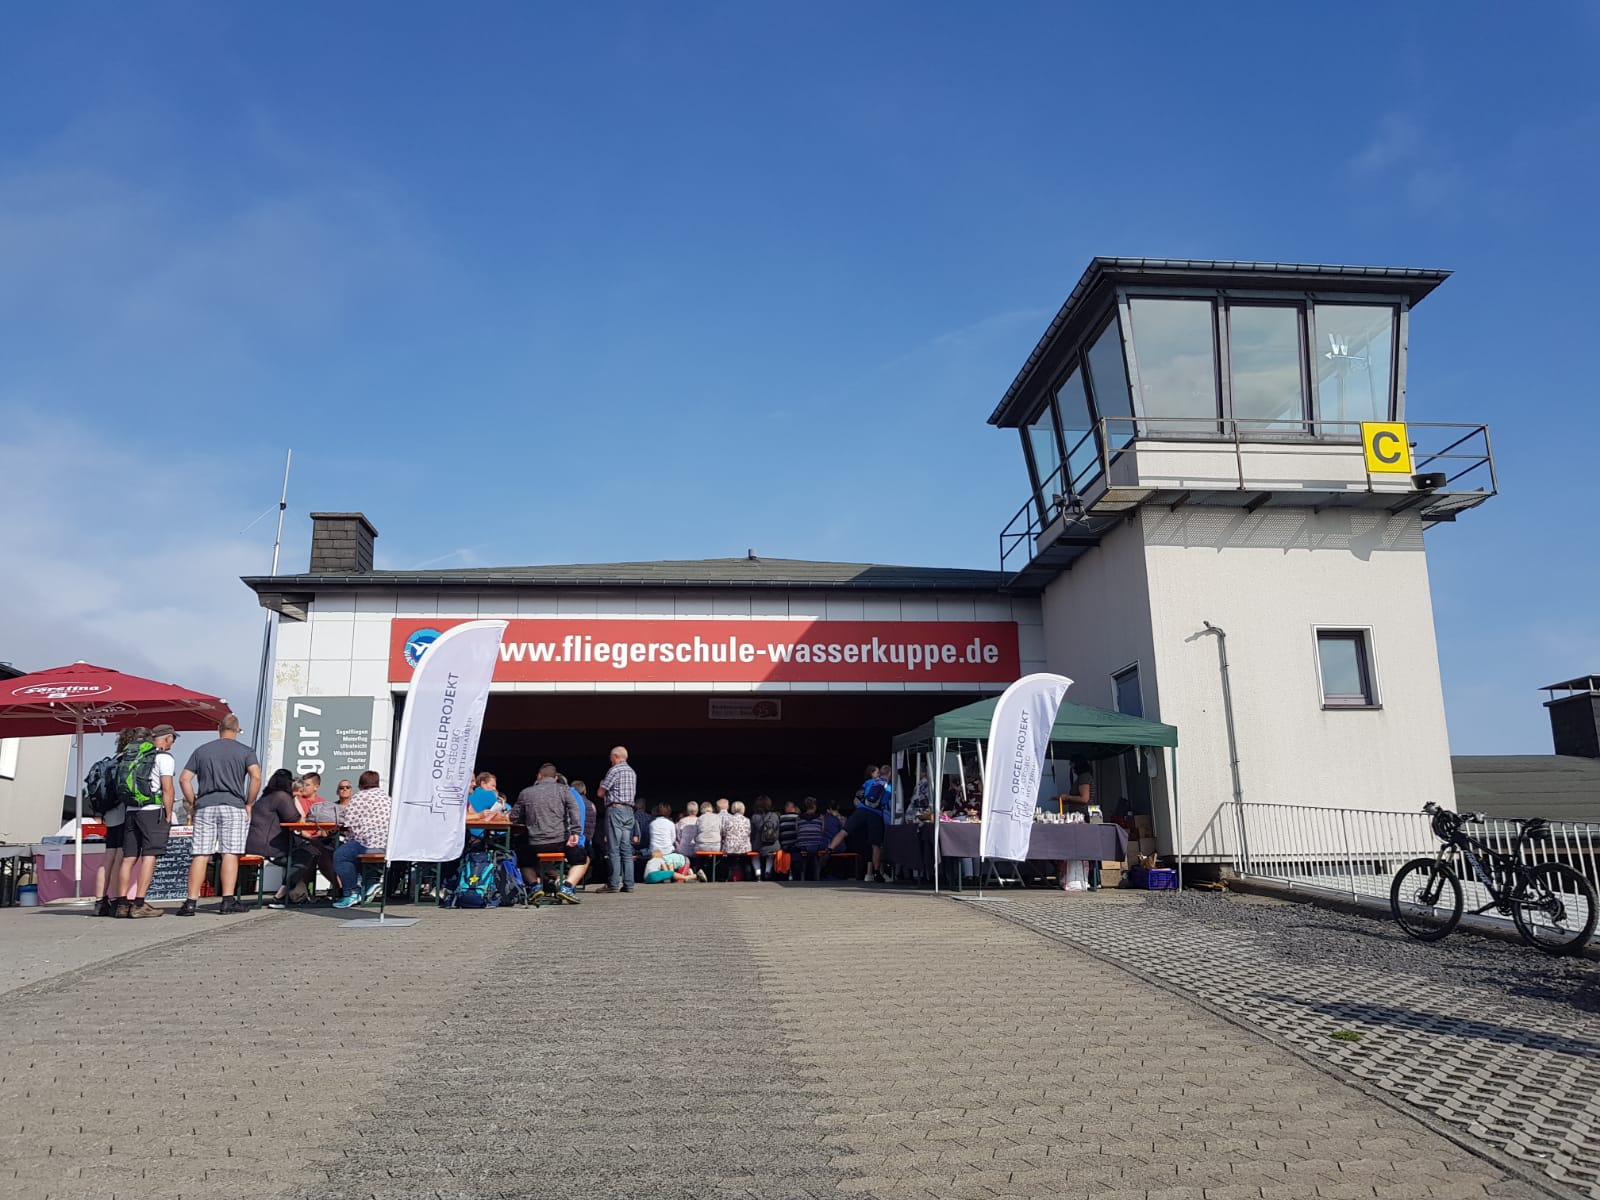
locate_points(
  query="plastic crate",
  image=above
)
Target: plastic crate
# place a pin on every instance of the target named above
(1153, 879)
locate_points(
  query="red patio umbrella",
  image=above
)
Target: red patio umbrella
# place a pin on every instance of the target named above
(97, 699)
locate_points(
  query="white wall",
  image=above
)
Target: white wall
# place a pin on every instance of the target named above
(342, 649)
(1268, 578)
(1097, 623)
(32, 783)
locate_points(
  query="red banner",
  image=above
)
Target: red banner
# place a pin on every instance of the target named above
(590, 650)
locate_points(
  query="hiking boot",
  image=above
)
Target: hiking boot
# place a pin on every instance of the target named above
(186, 909)
(145, 909)
(104, 908)
(567, 895)
(231, 905)
(122, 908)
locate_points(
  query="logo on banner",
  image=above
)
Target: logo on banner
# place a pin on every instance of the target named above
(417, 645)
(61, 691)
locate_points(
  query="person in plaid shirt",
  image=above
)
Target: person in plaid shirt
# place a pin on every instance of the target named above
(366, 825)
(616, 792)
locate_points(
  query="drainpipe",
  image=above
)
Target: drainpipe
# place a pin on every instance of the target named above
(1233, 742)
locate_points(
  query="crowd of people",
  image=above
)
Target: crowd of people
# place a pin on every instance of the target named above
(615, 835)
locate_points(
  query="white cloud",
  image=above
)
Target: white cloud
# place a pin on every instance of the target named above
(128, 560)
(1404, 155)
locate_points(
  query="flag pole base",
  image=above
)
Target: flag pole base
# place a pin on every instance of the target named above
(368, 923)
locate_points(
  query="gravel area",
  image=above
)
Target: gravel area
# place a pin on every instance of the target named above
(1306, 933)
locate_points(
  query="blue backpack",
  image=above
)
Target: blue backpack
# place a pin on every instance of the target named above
(485, 880)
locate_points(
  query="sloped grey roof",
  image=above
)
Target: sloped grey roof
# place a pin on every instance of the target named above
(688, 573)
(1558, 786)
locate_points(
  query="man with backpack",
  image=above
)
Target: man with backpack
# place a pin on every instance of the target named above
(220, 783)
(101, 789)
(549, 813)
(144, 786)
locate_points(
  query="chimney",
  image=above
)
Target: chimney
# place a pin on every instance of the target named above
(341, 543)
(1575, 717)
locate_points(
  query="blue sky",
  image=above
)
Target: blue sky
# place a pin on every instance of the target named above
(538, 283)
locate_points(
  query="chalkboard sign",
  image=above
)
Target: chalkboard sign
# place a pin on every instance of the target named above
(171, 880)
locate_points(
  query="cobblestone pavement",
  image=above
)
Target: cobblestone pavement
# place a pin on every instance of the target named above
(749, 1040)
(1491, 1037)
(54, 939)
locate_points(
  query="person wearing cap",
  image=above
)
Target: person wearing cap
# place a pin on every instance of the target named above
(220, 783)
(145, 828)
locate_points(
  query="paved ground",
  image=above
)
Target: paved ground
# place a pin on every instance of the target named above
(41, 942)
(1491, 1036)
(740, 1040)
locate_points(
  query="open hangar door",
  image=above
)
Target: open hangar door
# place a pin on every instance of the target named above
(810, 744)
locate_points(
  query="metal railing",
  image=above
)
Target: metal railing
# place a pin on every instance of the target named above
(1356, 852)
(1461, 452)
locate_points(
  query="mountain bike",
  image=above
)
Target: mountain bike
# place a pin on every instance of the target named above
(1552, 904)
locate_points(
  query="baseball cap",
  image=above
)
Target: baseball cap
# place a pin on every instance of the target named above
(161, 731)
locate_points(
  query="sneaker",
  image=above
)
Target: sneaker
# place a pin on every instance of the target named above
(145, 909)
(231, 905)
(186, 909)
(567, 895)
(701, 876)
(276, 902)
(375, 891)
(103, 909)
(122, 908)
(349, 901)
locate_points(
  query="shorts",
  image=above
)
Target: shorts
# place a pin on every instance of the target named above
(144, 832)
(220, 829)
(865, 825)
(528, 856)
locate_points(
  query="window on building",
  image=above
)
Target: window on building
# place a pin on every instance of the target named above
(1353, 353)
(1108, 379)
(1175, 346)
(1042, 441)
(1344, 666)
(8, 757)
(1127, 693)
(1072, 402)
(1266, 376)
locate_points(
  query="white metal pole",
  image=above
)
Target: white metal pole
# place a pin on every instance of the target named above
(263, 700)
(77, 847)
(938, 807)
(1177, 819)
(984, 815)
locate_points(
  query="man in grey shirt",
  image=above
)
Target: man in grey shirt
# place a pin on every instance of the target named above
(220, 783)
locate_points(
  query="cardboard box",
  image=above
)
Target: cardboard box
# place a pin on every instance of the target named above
(1110, 874)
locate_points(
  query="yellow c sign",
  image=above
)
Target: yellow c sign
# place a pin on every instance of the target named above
(1387, 447)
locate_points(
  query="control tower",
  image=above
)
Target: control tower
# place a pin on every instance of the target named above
(1225, 516)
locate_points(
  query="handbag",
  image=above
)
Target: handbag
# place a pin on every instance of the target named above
(781, 862)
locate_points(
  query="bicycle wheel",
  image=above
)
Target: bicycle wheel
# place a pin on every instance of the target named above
(1426, 899)
(1555, 909)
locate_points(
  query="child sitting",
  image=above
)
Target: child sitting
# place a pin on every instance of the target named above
(668, 866)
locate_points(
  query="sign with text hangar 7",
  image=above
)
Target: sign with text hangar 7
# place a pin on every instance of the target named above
(709, 650)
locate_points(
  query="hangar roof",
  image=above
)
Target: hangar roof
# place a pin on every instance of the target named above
(1558, 787)
(787, 573)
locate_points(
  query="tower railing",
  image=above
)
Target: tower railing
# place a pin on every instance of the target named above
(1100, 479)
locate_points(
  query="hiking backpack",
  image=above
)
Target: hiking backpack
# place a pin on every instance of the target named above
(511, 887)
(99, 786)
(133, 779)
(477, 883)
